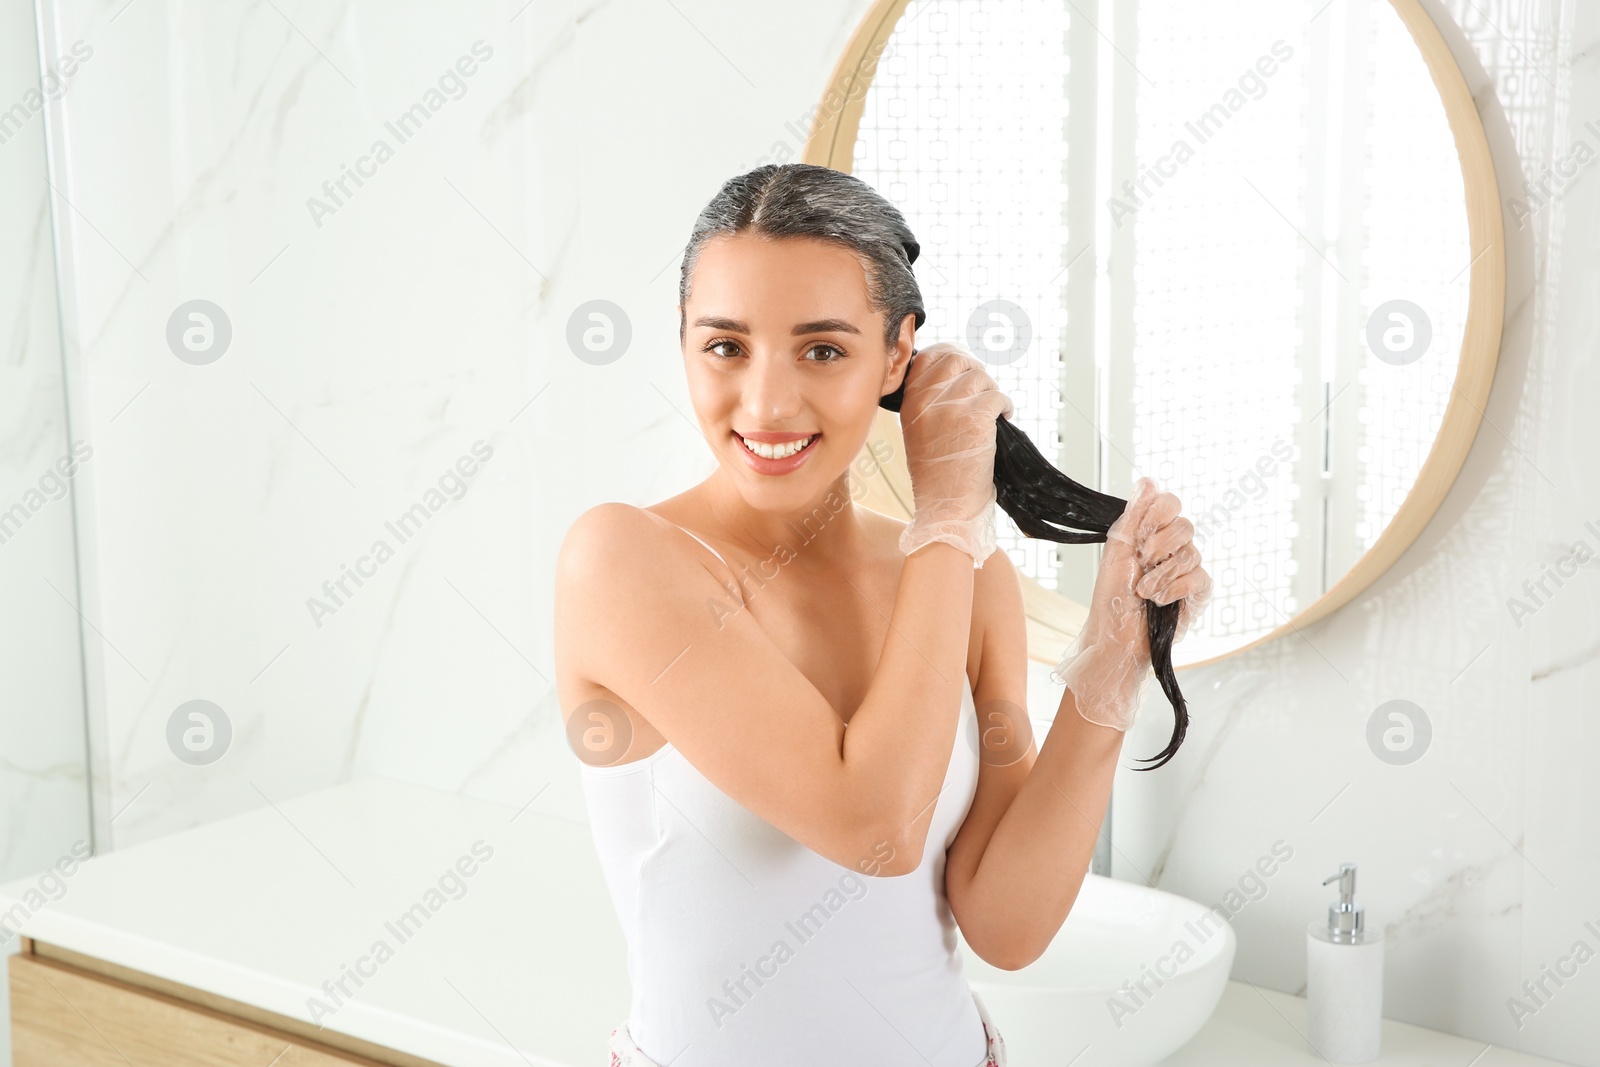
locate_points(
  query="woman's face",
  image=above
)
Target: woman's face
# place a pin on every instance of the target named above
(782, 349)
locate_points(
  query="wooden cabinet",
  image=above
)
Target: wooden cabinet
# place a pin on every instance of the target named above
(72, 1010)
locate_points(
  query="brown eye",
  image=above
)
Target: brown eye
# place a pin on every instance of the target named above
(838, 353)
(714, 345)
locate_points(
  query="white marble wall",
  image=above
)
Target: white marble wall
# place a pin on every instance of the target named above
(371, 348)
(44, 787)
(44, 795)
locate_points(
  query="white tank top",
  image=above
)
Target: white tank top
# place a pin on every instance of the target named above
(745, 946)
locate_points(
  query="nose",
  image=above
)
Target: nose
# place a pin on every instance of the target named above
(770, 391)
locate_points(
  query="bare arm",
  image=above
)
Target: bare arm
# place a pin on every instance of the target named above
(1033, 864)
(1022, 866)
(637, 617)
(1016, 865)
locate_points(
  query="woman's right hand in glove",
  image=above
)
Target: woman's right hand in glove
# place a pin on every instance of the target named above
(948, 420)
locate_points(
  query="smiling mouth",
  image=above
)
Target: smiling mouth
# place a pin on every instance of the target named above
(776, 451)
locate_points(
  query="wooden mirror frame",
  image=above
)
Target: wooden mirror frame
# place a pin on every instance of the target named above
(1054, 619)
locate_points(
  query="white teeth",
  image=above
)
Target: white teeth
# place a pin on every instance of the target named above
(782, 451)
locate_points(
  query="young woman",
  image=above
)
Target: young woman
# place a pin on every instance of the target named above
(802, 724)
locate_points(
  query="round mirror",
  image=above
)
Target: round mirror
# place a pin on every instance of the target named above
(1251, 250)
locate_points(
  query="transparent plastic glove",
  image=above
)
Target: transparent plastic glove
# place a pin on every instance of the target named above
(1194, 605)
(948, 421)
(1173, 572)
(1149, 554)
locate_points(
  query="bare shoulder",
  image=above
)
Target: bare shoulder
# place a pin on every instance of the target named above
(607, 531)
(612, 553)
(885, 529)
(996, 591)
(997, 610)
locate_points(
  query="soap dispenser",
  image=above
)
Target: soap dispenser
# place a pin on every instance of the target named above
(1344, 978)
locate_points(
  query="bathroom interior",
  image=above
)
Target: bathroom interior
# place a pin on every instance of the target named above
(323, 321)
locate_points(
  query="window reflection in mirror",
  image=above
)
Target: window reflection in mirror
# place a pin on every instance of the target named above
(1222, 245)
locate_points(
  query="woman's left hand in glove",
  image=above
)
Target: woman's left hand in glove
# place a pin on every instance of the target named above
(1149, 555)
(1170, 562)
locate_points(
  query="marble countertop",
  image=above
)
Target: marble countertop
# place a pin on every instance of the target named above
(502, 967)
(511, 955)
(1256, 1027)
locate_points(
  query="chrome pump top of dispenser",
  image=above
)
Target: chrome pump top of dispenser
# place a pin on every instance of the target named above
(1345, 917)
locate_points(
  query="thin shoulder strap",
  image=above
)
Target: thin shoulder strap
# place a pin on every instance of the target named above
(702, 540)
(714, 552)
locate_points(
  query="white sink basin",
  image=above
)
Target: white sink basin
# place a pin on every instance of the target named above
(1132, 975)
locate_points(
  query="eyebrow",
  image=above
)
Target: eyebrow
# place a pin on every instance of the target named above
(819, 326)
